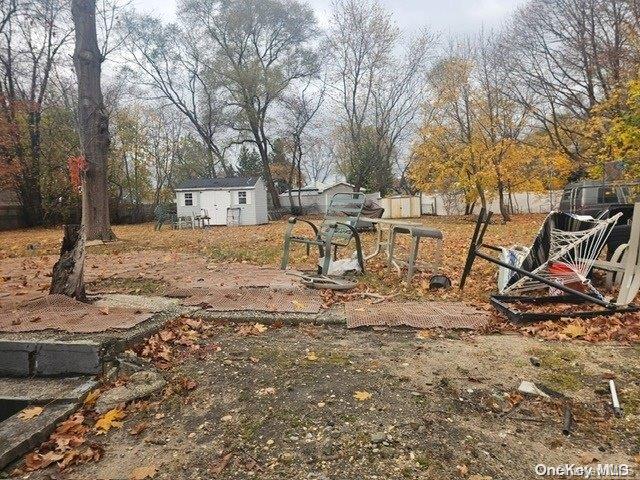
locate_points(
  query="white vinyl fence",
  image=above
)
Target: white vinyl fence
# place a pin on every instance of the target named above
(521, 202)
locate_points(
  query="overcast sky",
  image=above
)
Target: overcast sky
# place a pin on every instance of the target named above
(443, 16)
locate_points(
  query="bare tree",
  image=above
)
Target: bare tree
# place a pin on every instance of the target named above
(398, 100)
(32, 35)
(499, 118)
(165, 137)
(301, 107)
(378, 93)
(175, 66)
(94, 122)
(261, 47)
(567, 56)
(360, 44)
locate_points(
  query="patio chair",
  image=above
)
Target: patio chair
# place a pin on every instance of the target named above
(623, 267)
(336, 230)
(205, 219)
(561, 258)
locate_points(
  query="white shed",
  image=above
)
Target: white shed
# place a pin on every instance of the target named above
(228, 201)
(317, 196)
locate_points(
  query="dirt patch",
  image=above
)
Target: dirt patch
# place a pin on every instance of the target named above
(322, 402)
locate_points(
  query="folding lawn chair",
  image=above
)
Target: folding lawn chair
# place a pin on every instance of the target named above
(337, 229)
(623, 268)
(561, 258)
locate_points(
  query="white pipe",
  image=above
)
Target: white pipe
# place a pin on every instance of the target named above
(614, 398)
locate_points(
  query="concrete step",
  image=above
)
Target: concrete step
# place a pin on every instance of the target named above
(59, 397)
(48, 358)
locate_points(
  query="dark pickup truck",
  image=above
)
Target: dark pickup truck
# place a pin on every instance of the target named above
(596, 197)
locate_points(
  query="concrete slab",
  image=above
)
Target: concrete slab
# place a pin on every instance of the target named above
(59, 353)
(45, 390)
(18, 436)
(14, 359)
(136, 302)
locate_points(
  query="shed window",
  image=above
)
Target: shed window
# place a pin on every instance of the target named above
(188, 199)
(242, 198)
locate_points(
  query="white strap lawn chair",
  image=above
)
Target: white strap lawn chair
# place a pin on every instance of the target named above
(623, 269)
(565, 251)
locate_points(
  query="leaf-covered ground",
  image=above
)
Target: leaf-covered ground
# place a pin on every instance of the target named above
(247, 401)
(310, 402)
(262, 245)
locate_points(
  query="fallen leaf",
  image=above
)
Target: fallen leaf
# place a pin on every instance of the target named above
(312, 357)
(425, 334)
(217, 468)
(587, 458)
(462, 470)
(140, 473)
(36, 461)
(31, 412)
(361, 396)
(138, 428)
(574, 330)
(299, 305)
(110, 420)
(266, 391)
(92, 397)
(260, 328)
(227, 418)
(188, 383)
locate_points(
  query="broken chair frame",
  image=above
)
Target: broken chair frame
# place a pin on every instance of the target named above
(502, 302)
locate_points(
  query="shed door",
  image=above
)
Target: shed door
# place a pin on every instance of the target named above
(221, 202)
(216, 203)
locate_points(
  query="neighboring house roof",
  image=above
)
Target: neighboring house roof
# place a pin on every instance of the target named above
(218, 183)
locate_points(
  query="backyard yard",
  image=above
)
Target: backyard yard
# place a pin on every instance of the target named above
(263, 245)
(315, 400)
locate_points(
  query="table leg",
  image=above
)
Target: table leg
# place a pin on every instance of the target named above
(378, 244)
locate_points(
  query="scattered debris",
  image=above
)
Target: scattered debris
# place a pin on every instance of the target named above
(614, 399)
(535, 361)
(531, 389)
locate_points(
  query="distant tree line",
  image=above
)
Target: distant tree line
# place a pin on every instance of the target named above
(257, 88)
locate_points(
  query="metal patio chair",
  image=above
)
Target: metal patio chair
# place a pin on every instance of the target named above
(561, 259)
(337, 230)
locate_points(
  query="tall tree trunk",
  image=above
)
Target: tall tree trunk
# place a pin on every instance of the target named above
(68, 272)
(94, 123)
(481, 195)
(504, 211)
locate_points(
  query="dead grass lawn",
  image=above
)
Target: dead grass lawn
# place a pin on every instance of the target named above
(262, 245)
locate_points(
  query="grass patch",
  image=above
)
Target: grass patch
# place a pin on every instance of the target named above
(136, 286)
(630, 400)
(558, 369)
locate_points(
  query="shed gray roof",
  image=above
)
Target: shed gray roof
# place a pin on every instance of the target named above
(218, 183)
